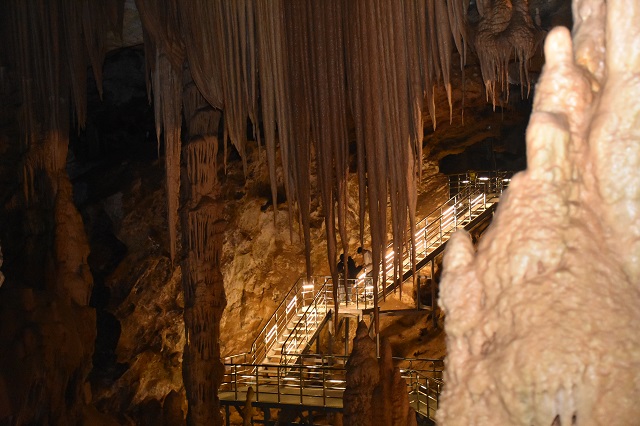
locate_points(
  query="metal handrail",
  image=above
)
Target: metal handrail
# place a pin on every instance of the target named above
(494, 182)
(297, 383)
(450, 216)
(429, 235)
(424, 384)
(424, 392)
(275, 325)
(434, 230)
(291, 345)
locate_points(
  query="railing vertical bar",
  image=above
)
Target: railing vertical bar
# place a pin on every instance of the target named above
(278, 381)
(324, 386)
(301, 398)
(257, 386)
(235, 381)
(428, 387)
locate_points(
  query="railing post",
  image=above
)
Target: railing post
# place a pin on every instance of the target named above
(415, 384)
(428, 402)
(257, 386)
(301, 398)
(278, 381)
(455, 215)
(324, 386)
(234, 376)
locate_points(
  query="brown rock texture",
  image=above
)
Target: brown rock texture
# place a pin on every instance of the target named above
(541, 321)
(376, 394)
(71, 247)
(204, 299)
(46, 359)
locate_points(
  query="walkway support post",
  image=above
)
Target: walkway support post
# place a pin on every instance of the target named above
(433, 295)
(346, 336)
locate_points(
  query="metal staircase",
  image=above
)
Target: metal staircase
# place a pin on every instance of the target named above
(276, 362)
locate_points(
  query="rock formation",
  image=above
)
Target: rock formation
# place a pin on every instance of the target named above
(204, 298)
(541, 321)
(363, 376)
(376, 394)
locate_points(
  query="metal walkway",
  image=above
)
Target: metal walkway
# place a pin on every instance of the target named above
(276, 368)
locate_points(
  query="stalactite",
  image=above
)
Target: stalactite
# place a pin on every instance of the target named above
(386, 91)
(238, 70)
(199, 116)
(267, 24)
(160, 21)
(299, 91)
(444, 49)
(505, 28)
(76, 57)
(94, 28)
(167, 92)
(203, 47)
(329, 121)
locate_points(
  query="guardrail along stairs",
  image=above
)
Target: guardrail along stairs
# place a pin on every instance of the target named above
(276, 367)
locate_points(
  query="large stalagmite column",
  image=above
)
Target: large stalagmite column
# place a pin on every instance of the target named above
(204, 297)
(542, 321)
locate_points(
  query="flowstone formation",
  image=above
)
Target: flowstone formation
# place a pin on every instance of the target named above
(541, 321)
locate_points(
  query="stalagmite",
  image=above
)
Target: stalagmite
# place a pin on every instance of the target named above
(202, 227)
(540, 322)
(375, 392)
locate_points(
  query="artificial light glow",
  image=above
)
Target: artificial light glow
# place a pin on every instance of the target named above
(483, 178)
(271, 333)
(292, 304)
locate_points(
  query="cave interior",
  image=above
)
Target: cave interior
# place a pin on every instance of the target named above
(169, 169)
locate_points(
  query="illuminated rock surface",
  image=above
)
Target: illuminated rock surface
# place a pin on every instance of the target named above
(541, 321)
